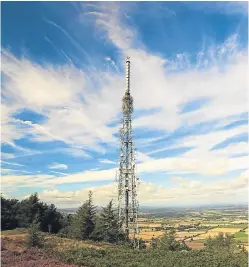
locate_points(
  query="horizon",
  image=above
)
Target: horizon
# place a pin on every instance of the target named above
(63, 79)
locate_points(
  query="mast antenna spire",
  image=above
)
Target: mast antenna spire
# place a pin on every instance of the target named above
(128, 73)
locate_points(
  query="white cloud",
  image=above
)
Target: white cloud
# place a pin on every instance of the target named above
(68, 118)
(187, 192)
(55, 87)
(85, 123)
(61, 173)
(7, 155)
(142, 157)
(58, 166)
(12, 180)
(107, 17)
(226, 88)
(107, 161)
(11, 163)
(226, 7)
(210, 165)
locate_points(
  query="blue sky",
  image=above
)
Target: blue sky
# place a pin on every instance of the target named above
(62, 85)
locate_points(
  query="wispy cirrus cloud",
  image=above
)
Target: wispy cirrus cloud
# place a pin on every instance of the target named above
(225, 7)
(58, 166)
(107, 161)
(11, 163)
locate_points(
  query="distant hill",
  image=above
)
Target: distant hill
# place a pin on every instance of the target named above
(169, 210)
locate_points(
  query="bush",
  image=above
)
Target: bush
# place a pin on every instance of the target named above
(127, 257)
(65, 232)
(81, 256)
(35, 237)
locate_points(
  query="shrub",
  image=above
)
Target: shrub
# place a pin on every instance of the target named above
(65, 232)
(35, 237)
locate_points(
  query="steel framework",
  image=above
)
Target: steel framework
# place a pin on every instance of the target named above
(126, 178)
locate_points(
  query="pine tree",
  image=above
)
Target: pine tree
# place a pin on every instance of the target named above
(51, 219)
(30, 210)
(84, 220)
(35, 238)
(107, 227)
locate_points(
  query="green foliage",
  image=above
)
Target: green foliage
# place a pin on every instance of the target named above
(142, 244)
(220, 241)
(81, 256)
(9, 213)
(66, 230)
(168, 242)
(29, 210)
(127, 257)
(107, 226)
(22, 214)
(35, 237)
(241, 236)
(51, 219)
(83, 221)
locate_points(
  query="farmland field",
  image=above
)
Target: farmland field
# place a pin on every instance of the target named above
(238, 226)
(241, 236)
(149, 225)
(195, 226)
(216, 231)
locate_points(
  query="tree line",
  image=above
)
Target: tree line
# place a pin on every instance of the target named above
(85, 224)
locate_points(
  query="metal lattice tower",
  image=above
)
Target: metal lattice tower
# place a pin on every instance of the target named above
(127, 179)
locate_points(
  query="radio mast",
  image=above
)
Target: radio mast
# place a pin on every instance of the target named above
(127, 179)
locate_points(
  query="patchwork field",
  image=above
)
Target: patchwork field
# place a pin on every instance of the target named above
(197, 226)
(149, 225)
(147, 235)
(184, 234)
(239, 226)
(216, 231)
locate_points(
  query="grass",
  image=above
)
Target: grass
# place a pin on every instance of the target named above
(18, 231)
(241, 236)
(240, 226)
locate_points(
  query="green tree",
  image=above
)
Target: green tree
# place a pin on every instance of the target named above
(35, 238)
(168, 242)
(66, 226)
(9, 213)
(220, 241)
(107, 226)
(84, 220)
(30, 210)
(50, 218)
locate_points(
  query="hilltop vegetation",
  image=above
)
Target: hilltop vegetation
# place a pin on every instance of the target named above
(90, 238)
